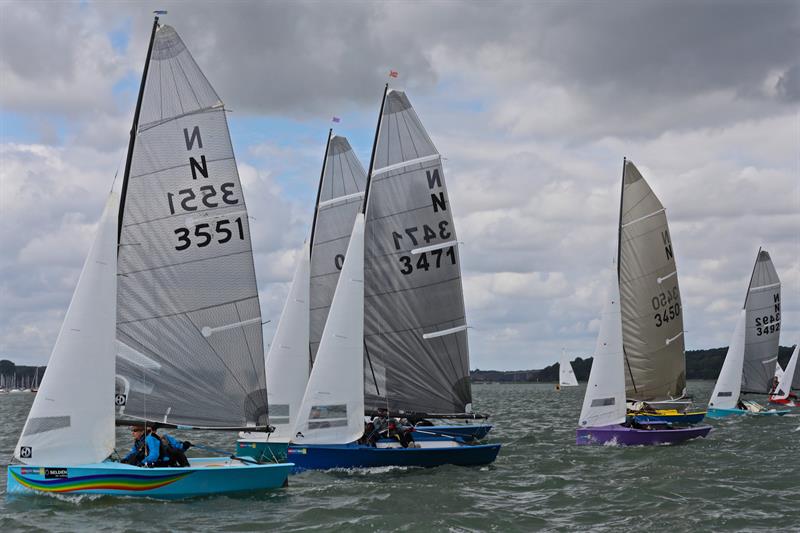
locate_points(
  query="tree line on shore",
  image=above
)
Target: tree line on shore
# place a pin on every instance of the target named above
(700, 364)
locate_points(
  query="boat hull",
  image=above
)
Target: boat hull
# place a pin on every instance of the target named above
(206, 476)
(262, 450)
(674, 417)
(714, 412)
(327, 456)
(627, 436)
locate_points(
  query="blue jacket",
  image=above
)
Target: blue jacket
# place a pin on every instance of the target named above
(153, 446)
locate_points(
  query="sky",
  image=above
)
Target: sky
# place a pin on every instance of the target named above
(533, 105)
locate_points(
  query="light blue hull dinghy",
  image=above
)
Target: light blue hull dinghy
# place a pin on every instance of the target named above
(714, 412)
(429, 454)
(205, 477)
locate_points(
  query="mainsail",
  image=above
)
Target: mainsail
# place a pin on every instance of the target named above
(763, 305)
(341, 190)
(188, 318)
(652, 313)
(71, 421)
(416, 353)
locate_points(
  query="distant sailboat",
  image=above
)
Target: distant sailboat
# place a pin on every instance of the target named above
(782, 393)
(339, 195)
(168, 286)
(749, 365)
(632, 344)
(566, 376)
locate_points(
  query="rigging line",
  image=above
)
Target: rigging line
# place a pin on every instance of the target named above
(351, 168)
(253, 364)
(175, 84)
(222, 360)
(369, 360)
(374, 147)
(185, 77)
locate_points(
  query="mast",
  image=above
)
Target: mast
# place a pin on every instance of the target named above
(319, 191)
(619, 253)
(753, 273)
(134, 129)
(374, 146)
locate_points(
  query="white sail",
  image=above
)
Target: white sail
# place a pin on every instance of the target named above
(785, 383)
(71, 421)
(566, 376)
(287, 359)
(604, 402)
(332, 411)
(729, 383)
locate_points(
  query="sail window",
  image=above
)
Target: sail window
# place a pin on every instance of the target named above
(327, 416)
(727, 394)
(45, 423)
(279, 413)
(603, 402)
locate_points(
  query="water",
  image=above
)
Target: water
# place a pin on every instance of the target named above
(745, 476)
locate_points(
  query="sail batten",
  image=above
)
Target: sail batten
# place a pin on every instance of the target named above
(187, 299)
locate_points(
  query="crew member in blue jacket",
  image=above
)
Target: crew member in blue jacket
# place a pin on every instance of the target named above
(151, 450)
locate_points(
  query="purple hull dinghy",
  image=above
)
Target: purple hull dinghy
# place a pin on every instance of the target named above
(627, 436)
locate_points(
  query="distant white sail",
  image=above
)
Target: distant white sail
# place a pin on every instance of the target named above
(604, 402)
(728, 387)
(763, 304)
(71, 423)
(784, 387)
(566, 376)
(652, 312)
(332, 410)
(287, 359)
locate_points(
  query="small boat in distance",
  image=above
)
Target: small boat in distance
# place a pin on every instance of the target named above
(645, 268)
(749, 365)
(566, 375)
(782, 394)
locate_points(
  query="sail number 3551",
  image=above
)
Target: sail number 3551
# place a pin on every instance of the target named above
(203, 236)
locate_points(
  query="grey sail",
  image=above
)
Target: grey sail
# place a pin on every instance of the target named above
(763, 326)
(340, 195)
(190, 347)
(416, 353)
(652, 314)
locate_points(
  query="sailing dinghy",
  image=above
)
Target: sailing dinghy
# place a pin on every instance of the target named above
(632, 345)
(749, 365)
(566, 375)
(297, 338)
(169, 287)
(782, 394)
(395, 335)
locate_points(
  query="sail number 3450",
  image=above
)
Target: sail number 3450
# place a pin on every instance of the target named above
(667, 306)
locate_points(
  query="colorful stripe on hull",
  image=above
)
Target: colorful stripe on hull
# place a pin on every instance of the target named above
(122, 482)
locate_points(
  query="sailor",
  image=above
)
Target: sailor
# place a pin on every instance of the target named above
(401, 432)
(380, 424)
(153, 450)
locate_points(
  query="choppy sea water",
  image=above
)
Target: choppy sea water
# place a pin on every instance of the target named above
(745, 476)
